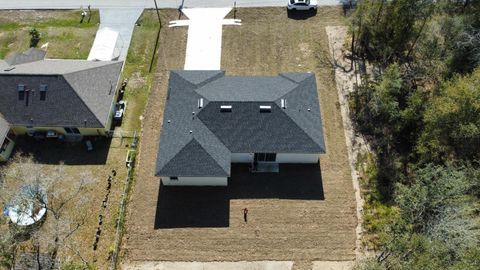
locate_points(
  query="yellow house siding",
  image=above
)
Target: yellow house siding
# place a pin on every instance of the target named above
(22, 130)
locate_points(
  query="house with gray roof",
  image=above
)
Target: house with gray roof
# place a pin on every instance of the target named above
(70, 97)
(212, 120)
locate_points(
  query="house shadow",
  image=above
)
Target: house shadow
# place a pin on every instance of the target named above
(301, 14)
(55, 152)
(293, 182)
(201, 207)
(187, 207)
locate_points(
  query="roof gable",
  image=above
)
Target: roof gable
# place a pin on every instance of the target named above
(192, 160)
(199, 78)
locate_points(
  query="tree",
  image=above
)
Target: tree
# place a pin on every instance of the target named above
(65, 205)
(389, 30)
(34, 37)
(452, 121)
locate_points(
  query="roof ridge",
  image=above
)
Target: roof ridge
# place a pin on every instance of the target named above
(216, 137)
(89, 68)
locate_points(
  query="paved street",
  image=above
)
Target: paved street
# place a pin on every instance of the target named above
(72, 4)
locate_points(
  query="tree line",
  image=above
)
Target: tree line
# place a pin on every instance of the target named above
(419, 108)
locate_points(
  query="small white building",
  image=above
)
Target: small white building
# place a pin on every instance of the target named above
(212, 120)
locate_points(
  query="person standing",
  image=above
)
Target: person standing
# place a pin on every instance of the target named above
(245, 214)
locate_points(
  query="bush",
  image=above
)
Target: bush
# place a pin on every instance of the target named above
(34, 37)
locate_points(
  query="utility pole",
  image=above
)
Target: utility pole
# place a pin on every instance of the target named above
(158, 36)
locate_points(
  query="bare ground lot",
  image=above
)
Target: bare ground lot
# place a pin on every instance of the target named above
(303, 214)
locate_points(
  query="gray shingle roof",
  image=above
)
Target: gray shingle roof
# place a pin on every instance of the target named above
(79, 93)
(30, 55)
(199, 141)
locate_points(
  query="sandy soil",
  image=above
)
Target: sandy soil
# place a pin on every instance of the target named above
(308, 215)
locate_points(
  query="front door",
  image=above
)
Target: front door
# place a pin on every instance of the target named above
(265, 157)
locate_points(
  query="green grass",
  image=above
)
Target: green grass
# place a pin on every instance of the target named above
(137, 66)
(67, 38)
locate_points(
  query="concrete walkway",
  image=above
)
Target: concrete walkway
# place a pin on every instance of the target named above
(259, 265)
(75, 4)
(204, 43)
(121, 20)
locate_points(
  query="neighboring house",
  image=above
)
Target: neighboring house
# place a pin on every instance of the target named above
(6, 143)
(212, 120)
(69, 97)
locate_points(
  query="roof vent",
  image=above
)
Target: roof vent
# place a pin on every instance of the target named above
(200, 103)
(308, 109)
(226, 108)
(265, 109)
(283, 103)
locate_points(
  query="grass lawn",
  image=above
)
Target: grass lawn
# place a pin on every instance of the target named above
(301, 214)
(67, 38)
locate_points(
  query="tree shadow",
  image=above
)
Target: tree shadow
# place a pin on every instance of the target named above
(185, 207)
(301, 14)
(200, 207)
(56, 152)
(293, 182)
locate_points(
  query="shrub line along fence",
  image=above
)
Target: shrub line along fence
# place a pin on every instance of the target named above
(130, 160)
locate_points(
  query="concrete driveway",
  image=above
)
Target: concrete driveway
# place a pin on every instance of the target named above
(121, 20)
(73, 4)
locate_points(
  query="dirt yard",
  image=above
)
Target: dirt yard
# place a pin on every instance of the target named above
(304, 214)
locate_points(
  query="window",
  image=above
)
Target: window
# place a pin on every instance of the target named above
(21, 91)
(265, 157)
(71, 130)
(43, 91)
(174, 178)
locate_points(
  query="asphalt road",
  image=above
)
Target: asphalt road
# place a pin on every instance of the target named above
(73, 4)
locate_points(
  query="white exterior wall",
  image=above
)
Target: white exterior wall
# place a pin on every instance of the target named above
(297, 158)
(195, 181)
(281, 158)
(241, 158)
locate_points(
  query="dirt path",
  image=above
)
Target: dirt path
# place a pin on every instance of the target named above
(345, 79)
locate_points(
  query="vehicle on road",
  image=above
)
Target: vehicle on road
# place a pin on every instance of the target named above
(302, 4)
